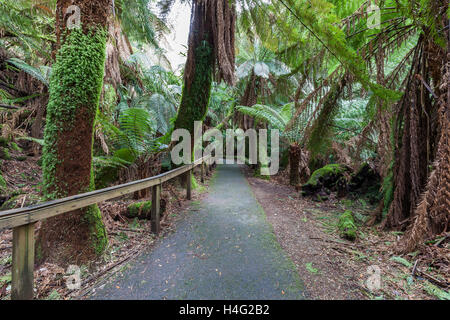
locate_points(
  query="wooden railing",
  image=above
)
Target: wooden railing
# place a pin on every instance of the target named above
(22, 220)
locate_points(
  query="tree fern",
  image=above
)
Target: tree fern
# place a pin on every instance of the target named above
(27, 26)
(266, 114)
(135, 129)
(139, 22)
(41, 73)
(162, 111)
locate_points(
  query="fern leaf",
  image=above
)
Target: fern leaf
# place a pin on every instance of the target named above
(42, 74)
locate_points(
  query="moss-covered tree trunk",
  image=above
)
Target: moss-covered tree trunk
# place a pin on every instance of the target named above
(199, 69)
(295, 153)
(75, 88)
(210, 47)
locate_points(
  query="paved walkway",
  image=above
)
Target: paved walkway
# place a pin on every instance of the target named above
(223, 249)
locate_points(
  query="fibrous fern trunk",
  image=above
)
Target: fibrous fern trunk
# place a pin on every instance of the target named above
(249, 99)
(432, 215)
(416, 135)
(75, 88)
(295, 154)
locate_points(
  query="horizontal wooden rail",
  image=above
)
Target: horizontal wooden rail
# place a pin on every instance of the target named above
(22, 220)
(19, 217)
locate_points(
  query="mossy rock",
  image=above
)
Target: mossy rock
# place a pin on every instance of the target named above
(143, 209)
(325, 177)
(4, 154)
(347, 227)
(140, 210)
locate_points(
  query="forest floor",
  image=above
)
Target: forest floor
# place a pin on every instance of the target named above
(127, 237)
(334, 268)
(329, 267)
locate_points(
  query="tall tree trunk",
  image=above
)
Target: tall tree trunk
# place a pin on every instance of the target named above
(199, 69)
(415, 134)
(432, 215)
(75, 88)
(384, 146)
(295, 153)
(249, 99)
(210, 47)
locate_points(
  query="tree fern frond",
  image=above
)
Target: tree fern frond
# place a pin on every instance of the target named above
(110, 161)
(135, 132)
(42, 73)
(264, 113)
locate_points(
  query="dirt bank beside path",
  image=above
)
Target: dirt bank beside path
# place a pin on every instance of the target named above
(333, 268)
(326, 274)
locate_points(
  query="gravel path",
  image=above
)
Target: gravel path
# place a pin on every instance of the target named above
(223, 249)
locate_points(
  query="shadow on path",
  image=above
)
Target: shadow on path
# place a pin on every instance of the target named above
(223, 249)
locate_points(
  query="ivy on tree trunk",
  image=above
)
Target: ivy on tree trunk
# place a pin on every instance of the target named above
(210, 49)
(75, 88)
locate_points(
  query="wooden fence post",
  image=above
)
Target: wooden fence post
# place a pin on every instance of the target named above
(22, 263)
(202, 173)
(188, 184)
(155, 213)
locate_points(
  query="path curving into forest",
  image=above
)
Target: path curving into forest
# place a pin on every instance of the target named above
(223, 249)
